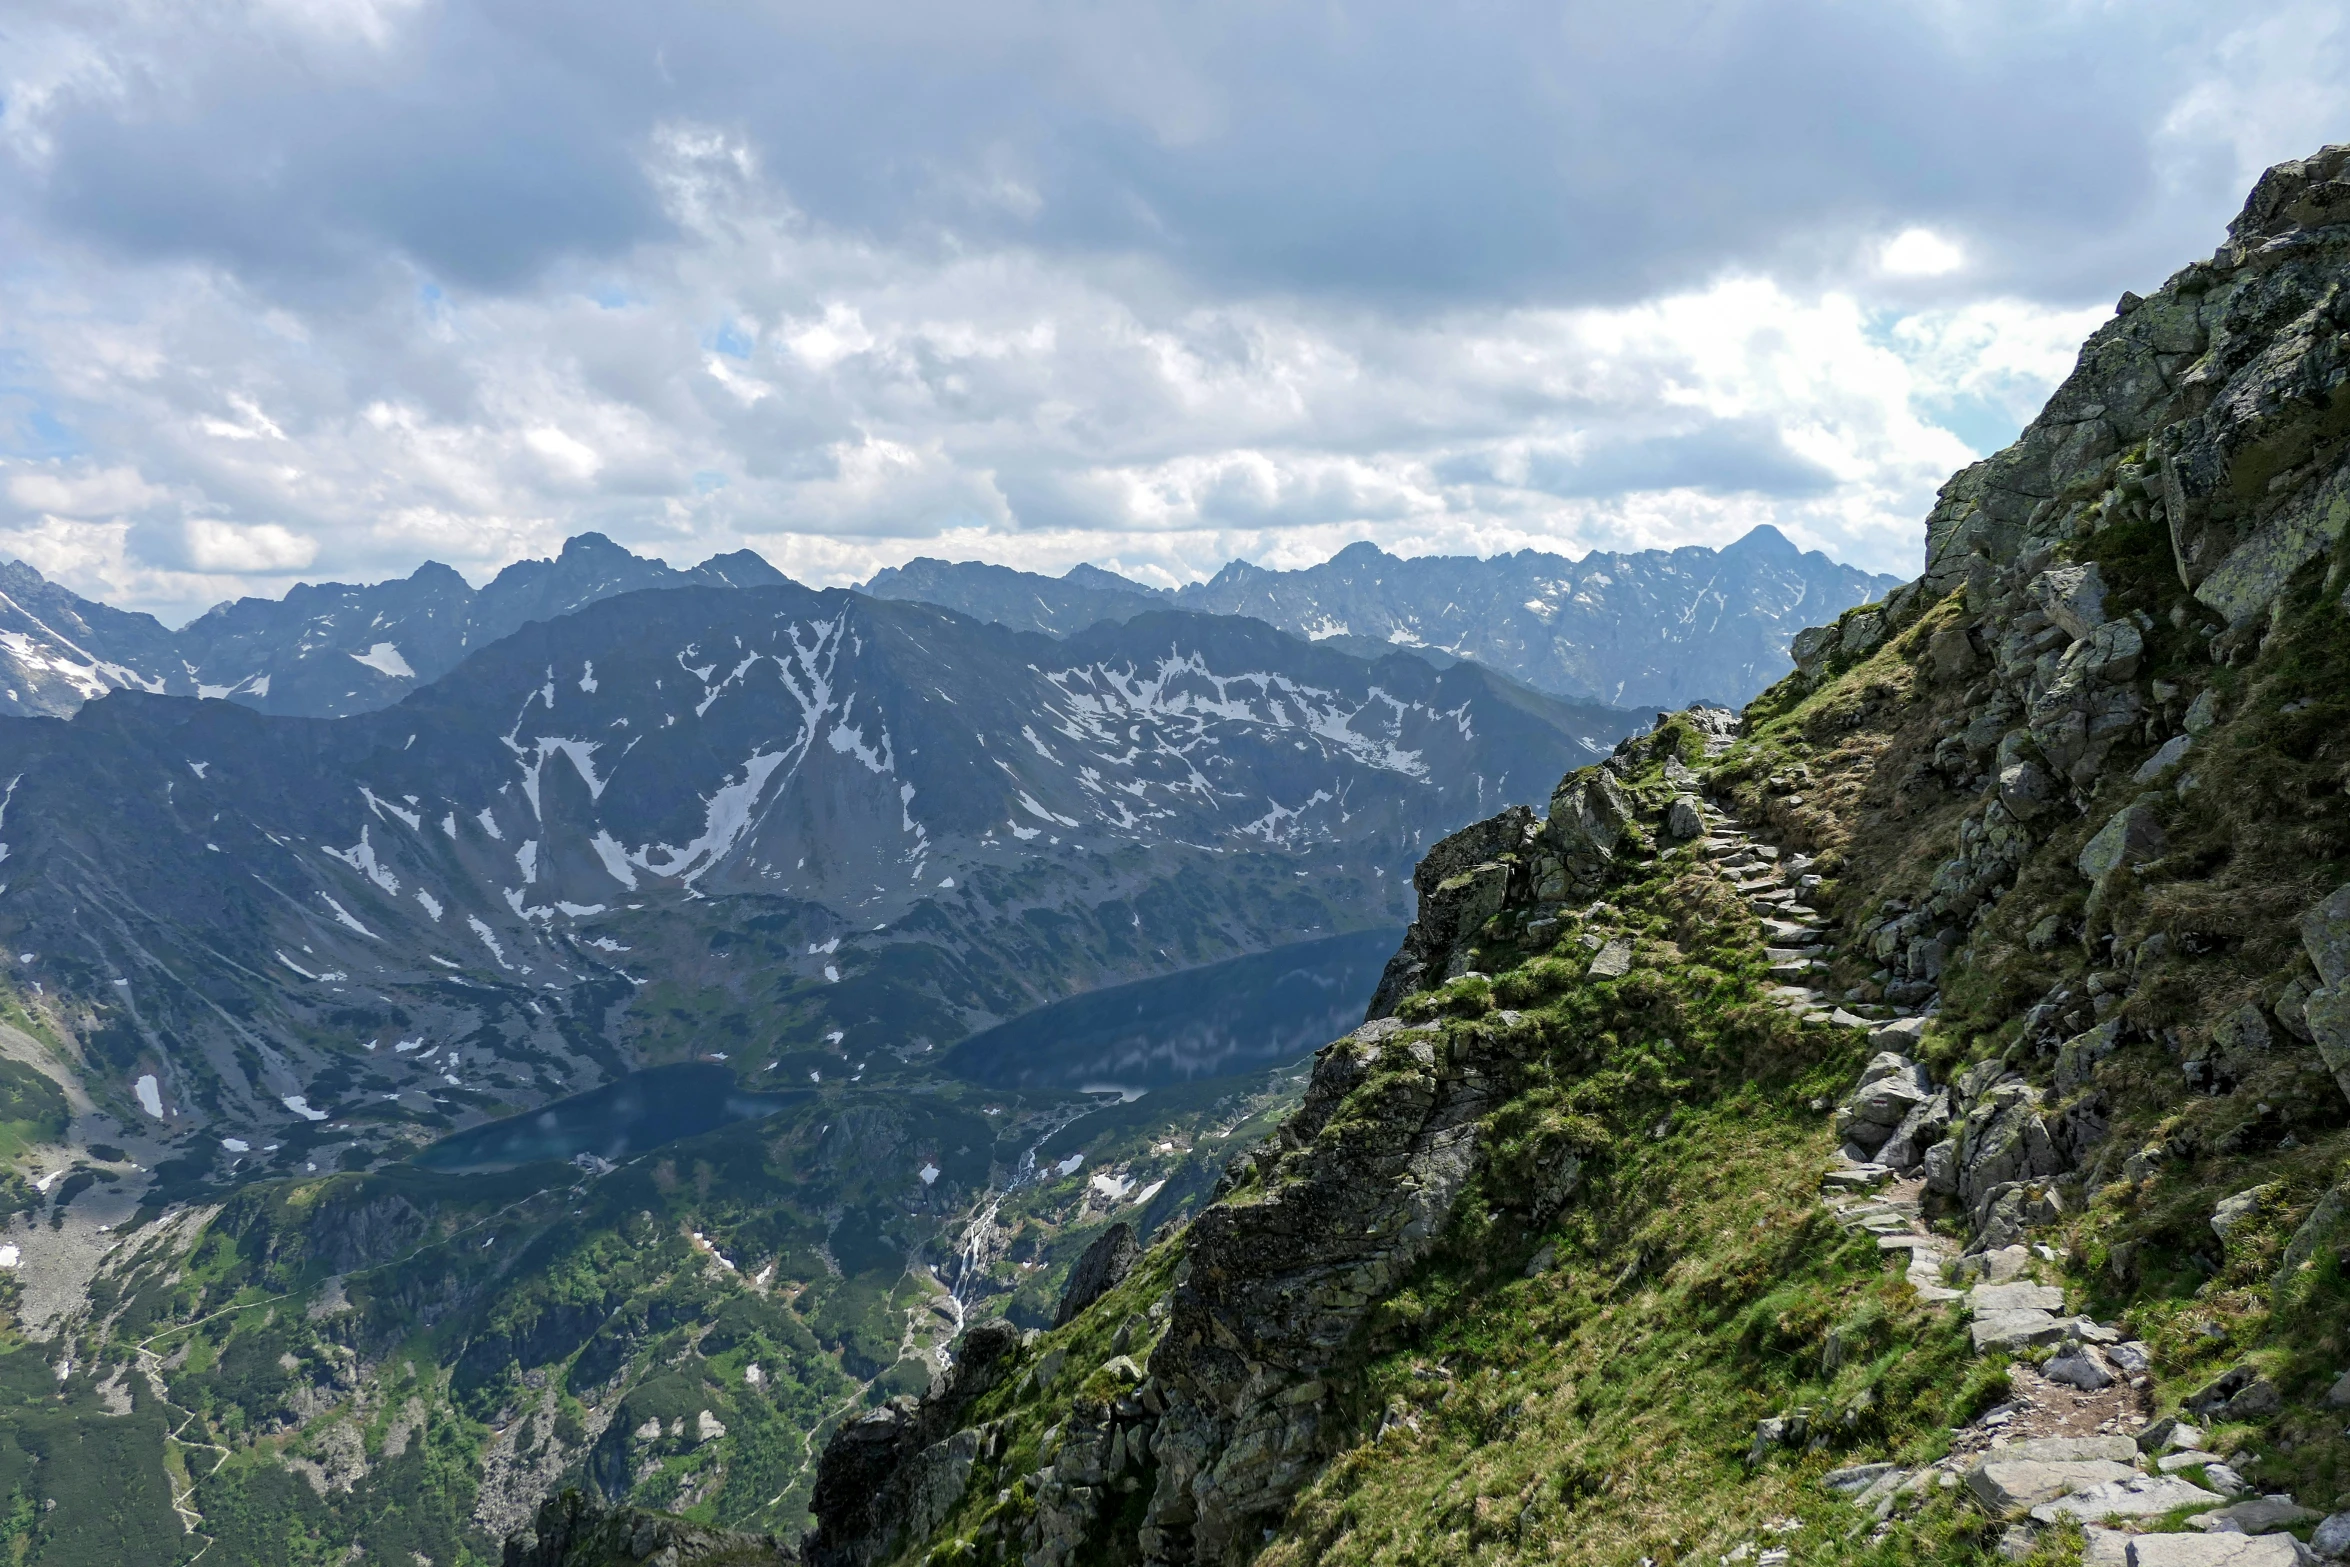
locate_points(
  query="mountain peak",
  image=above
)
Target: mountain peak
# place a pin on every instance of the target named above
(1763, 542)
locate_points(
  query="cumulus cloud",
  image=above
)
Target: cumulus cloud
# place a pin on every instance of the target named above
(327, 286)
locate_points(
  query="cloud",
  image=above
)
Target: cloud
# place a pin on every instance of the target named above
(307, 286)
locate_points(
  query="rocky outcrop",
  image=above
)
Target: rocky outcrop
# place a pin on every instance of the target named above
(1284, 1273)
(2325, 1012)
(1101, 1268)
(2213, 404)
(894, 1472)
(574, 1530)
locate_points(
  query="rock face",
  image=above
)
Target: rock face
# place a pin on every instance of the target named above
(1101, 1269)
(572, 1530)
(2198, 398)
(2325, 936)
(891, 1474)
(1283, 1275)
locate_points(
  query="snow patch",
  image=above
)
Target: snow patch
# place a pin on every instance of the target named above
(344, 915)
(384, 658)
(488, 938)
(526, 859)
(432, 905)
(198, 768)
(587, 678)
(489, 824)
(414, 820)
(301, 1107)
(236, 1145)
(150, 1095)
(361, 858)
(615, 858)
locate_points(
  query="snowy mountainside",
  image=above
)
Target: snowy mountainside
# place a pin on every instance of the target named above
(798, 821)
(324, 650)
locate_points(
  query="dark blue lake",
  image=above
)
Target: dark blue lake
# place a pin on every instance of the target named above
(1213, 1021)
(624, 1117)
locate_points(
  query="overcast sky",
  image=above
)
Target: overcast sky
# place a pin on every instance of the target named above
(323, 288)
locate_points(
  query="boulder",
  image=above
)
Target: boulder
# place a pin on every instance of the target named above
(2166, 756)
(2325, 1013)
(2331, 1539)
(2214, 1550)
(2261, 1515)
(2006, 1485)
(2071, 596)
(1923, 1127)
(2233, 1211)
(2132, 835)
(2014, 1330)
(2080, 1366)
(1856, 1479)
(2127, 1496)
(1890, 1089)
(1986, 1298)
(1684, 821)
(1590, 820)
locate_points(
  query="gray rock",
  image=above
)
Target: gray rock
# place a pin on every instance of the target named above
(2026, 790)
(2214, 1550)
(2083, 1368)
(1899, 1037)
(1988, 1298)
(2005, 1485)
(2223, 1477)
(2073, 597)
(2202, 713)
(2128, 1496)
(1614, 960)
(1683, 820)
(2331, 1539)
(1856, 1479)
(2170, 1434)
(1099, 1269)
(2166, 756)
(2053, 1449)
(2134, 834)
(2338, 1397)
(2233, 1211)
(2014, 1330)
(2262, 1515)
(2190, 1458)
(2325, 936)
(1923, 1127)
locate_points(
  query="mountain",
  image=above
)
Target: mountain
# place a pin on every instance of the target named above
(749, 818)
(1657, 628)
(1023, 600)
(1903, 1121)
(324, 650)
(1906, 1120)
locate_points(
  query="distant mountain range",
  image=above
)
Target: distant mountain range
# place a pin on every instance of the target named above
(322, 651)
(1653, 629)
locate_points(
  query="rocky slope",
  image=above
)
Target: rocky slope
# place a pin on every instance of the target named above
(2004, 941)
(1654, 628)
(324, 650)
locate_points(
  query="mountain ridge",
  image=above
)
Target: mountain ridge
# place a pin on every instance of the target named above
(1615, 627)
(324, 650)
